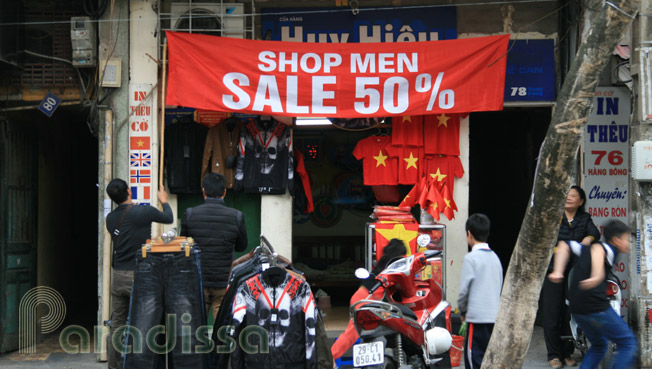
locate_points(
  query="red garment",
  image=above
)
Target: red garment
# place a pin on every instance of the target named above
(442, 134)
(407, 131)
(443, 169)
(305, 180)
(350, 335)
(377, 167)
(410, 162)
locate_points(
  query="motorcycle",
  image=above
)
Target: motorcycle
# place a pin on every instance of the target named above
(580, 340)
(411, 326)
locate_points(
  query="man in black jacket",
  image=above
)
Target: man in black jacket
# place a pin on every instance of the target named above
(218, 230)
(130, 226)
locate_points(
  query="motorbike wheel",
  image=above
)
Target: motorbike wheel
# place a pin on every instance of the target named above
(581, 343)
(445, 363)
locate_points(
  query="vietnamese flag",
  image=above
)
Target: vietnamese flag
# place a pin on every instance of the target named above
(435, 202)
(406, 232)
(139, 143)
(413, 196)
(449, 203)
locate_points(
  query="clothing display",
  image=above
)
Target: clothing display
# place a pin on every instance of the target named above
(167, 289)
(410, 163)
(303, 194)
(184, 148)
(265, 162)
(377, 166)
(243, 276)
(221, 150)
(443, 134)
(284, 307)
(443, 168)
(407, 131)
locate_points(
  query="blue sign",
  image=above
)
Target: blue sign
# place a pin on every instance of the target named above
(530, 71)
(49, 104)
(369, 25)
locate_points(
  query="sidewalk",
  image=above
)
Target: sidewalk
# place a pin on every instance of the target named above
(50, 355)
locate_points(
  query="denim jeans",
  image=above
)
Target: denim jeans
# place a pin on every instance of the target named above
(167, 290)
(121, 283)
(602, 327)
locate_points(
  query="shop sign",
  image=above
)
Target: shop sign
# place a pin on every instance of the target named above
(336, 80)
(606, 167)
(340, 25)
(141, 116)
(530, 71)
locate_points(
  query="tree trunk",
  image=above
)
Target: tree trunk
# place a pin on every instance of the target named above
(538, 234)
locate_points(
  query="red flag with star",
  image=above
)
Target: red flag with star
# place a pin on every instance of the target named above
(139, 143)
(406, 232)
(449, 203)
(413, 196)
(435, 201)
(443, 168)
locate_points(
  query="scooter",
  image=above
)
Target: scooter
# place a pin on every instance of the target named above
(411, 326)
(580, 340)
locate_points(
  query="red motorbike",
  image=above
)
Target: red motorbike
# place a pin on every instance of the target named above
(411, 326)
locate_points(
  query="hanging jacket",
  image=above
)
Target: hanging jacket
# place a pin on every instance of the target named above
(283, 306)
(184, 145)
(221, 143)
(265, 162)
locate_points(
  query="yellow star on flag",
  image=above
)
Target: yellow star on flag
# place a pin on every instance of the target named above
(411, 161)
(401, 233)
(443, 120)
(407, 118)
(448, 202)
(140, 143)
(380, 159)
(438, 175)
(434, 206)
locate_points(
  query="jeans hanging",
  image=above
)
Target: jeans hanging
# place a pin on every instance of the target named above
(167, 290)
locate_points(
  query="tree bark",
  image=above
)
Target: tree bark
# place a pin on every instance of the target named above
(538, 235)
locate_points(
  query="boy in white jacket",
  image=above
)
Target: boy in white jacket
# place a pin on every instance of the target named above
(480, 287)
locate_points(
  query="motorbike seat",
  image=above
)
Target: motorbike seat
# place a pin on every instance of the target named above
(406, 311)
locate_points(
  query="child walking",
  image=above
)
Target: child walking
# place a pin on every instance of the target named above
(480, 287)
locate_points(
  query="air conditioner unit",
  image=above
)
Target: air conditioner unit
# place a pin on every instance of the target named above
(220, 19)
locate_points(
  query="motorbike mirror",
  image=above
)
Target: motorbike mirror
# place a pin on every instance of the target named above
(362, 273)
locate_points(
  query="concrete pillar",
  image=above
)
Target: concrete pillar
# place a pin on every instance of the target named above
(276, 222)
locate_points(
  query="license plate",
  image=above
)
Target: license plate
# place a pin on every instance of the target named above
(365, 354)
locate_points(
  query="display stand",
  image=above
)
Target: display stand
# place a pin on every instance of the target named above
(178, 244)
(431, 237)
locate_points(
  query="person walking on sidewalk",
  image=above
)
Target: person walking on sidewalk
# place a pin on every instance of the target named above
(576, 225)
(480, 287)
(218, 230)
(589, 304)
(130, 226)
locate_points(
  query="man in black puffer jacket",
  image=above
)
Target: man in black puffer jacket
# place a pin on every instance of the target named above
(218, 230)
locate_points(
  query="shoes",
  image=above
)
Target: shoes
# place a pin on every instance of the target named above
(555, 363)
(570, 362)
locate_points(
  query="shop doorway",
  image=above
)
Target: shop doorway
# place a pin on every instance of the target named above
(64, 253)
(504, 147)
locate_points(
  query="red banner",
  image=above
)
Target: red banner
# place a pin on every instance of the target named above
(336, 80)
